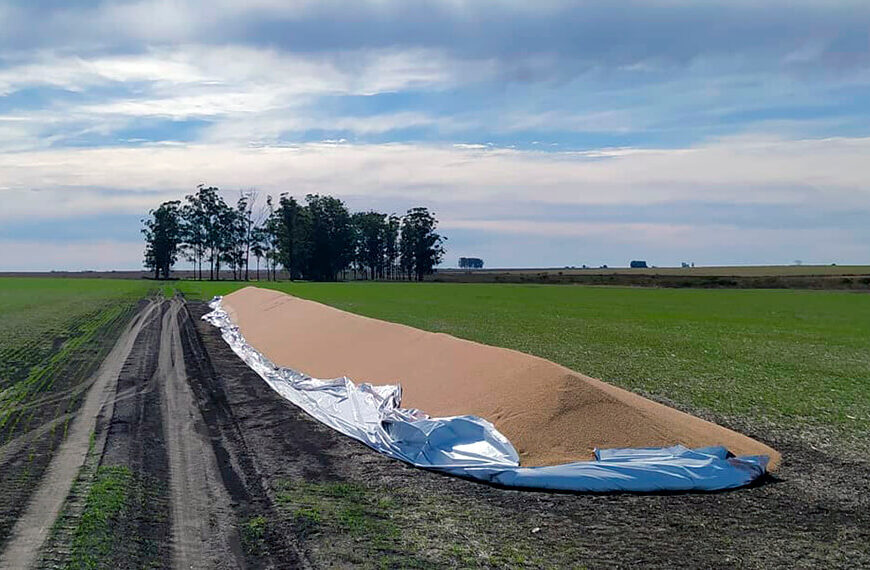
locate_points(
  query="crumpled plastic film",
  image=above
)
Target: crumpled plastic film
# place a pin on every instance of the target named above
(469, 446)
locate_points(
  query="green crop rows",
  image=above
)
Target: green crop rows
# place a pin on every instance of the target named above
(799, 356)
(50, 330)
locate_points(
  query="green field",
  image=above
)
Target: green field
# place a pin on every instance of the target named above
(43, 317)
(47, 323)
(800, 355)
(54, 334)
(775, 354)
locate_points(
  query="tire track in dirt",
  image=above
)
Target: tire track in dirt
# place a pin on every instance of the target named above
(203, 523)
(31, 529)
(273, 547)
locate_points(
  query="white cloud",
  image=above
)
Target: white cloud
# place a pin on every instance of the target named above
(747, 171)
(206, 70)
(247, 94)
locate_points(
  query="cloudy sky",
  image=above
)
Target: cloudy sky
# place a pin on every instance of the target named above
(542, 133)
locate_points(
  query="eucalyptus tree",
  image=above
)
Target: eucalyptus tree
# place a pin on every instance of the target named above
(207, 211)
(247, 225)
(291, 227)
(317, 240)
(193, 216)
(259, 246)
(391, 244)
(163, 238)
(331, 237)
(371, 236)
(421, 247)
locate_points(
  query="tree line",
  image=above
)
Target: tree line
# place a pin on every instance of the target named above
(470, 263)
(318, 239)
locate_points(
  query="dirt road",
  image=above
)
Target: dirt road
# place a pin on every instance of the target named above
(183, 515)
(196, 463)
(203, 529)
(181, 499)
(32, 527)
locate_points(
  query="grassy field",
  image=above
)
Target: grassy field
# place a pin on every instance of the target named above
(54, 334)
(46, 324)
(800, 355)
(777, 354)
(47, 317)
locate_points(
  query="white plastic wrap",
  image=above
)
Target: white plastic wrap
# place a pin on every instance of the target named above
(469, 446)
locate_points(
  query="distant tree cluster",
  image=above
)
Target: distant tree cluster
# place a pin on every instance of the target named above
(470, 263)
(318, 240)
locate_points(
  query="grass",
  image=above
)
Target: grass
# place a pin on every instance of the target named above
(105, 531)
(41, 315)
(778, 354)
(54, 334)
(344, 519)
(253, 535)
(50, 328)
(94, 539)
(346, 507)
(369, 526)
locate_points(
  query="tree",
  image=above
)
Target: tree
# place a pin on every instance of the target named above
(331, 237)
(470, 263)
(317, 240)
(193, 218)
(203, 218)
(270, 238)
(224, 235)
(291, 227)
(247, 225)
(259, 245)
(421, 248)
(163, 238)
(371, 237)
(391, 244)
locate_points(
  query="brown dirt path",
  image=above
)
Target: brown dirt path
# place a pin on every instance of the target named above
(155, 412)
(203, 525)
(33, 526)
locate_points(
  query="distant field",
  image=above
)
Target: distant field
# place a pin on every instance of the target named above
(840, 277)
(849, 277)
(777, 354)
(722, 271)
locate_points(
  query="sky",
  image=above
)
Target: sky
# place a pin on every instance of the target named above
(542, 134)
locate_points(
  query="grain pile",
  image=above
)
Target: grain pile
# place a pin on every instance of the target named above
(551, 414)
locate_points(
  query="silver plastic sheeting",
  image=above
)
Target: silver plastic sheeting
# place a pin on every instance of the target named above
(472, 447)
